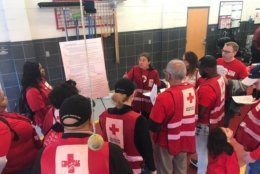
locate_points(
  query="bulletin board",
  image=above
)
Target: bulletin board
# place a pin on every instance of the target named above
(230, 13)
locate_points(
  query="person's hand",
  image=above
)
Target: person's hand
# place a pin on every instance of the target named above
(247, 158)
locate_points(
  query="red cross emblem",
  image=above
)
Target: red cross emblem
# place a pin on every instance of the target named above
(190, 97)
(114, 129)
(70, 163)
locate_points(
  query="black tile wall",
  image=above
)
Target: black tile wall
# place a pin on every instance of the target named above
(7, 66)
(240, 35)
(162, 44)
(10, 80)
(29, 51)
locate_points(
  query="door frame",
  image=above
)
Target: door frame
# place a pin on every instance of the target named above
(197, 7)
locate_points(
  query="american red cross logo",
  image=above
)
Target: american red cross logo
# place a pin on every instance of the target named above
(190, 97)
(114, 129)
(70, 163)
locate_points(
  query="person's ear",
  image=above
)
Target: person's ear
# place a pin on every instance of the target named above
(207, 70)
(167, 77)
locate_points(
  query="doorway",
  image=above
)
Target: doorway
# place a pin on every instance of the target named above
(197, 24)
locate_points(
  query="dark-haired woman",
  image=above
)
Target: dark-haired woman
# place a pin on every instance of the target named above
(56, 97)
(191, 60)
(222, 158)
(144, 76)
(37, 90)
(51, 125)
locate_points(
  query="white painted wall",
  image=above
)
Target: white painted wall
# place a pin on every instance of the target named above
(4, 36)
(16, 20)
(26, 21)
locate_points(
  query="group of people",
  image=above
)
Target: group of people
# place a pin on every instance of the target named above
(191, 116)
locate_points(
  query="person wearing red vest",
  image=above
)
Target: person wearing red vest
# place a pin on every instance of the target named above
(37, 90)
(211, 102)
(128, 129)
(172, 121)
(18, 141)
(52, 127)
(248, 132)
(144, 76)
(222, 157)
(232, 68)
(80, 151)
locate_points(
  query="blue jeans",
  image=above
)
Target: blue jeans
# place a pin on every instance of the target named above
(253, 168)
(202, 133)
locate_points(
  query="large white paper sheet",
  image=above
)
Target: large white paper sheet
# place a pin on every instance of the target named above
(153, 94)
(88, 70)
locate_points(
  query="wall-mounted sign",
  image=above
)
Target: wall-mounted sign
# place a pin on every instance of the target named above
(230, 13)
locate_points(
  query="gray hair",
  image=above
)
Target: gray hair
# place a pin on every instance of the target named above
(177, 69)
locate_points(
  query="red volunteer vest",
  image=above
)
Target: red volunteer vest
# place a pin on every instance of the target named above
(144, 80)
(72, 155)
(51, 137)
(25, 146)
(217, 112)
(119, 129)
(248, 133)
(182, 124)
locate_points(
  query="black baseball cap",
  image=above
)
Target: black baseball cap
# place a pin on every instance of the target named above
(76, 107)
(125, 86)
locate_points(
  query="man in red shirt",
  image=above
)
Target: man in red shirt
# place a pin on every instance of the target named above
(232, 68)
(172, 121)
(235, 69)
(211, 101)
(18, 146)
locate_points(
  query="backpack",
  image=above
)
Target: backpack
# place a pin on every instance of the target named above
(16, 137)
(23, 107)
(3, 116)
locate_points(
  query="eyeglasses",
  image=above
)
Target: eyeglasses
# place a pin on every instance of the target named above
(226, 52)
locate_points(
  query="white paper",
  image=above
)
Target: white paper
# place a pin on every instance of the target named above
(86, 68)
(235, 23)
(147, 94)
(153, 94)
(221, 70)
(246, 99)
(225, 9)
